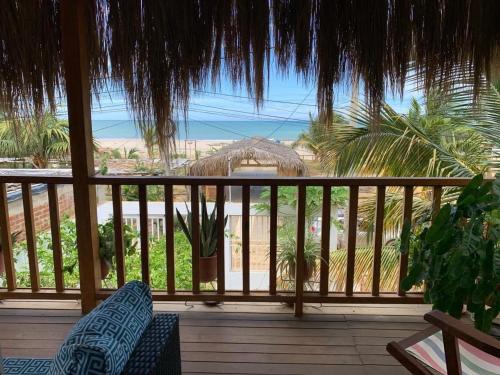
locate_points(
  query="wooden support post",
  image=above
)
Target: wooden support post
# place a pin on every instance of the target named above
(299, 264)
(55, 232)
(325, 241)
(116, 191)
(144, 223)
(437, 192)
(221, 235)
(74, 30)
(273, 231)
(379, 231)
(169, 234)
(29, 224)
(6, 240)
(245, 238)
(195, 230)
(351, 238)
(407, 211)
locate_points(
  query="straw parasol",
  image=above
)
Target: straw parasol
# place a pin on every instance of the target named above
(158, 52)
(259, 149)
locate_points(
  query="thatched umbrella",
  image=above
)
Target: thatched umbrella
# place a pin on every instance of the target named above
(230, 157)
(158, 51)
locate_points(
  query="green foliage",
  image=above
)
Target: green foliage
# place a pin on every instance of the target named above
(458, 255)
(287, 199)
(208, 228)
(447, 136)
(107, 247)
(157, 264)
(363, 270)
(41, 139)
(155, 193)
(286, 256)
(287, 204)
(115, 154)
(157, 261)
(132, 153)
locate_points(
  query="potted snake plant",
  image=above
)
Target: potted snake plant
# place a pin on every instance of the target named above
(287, 257)
(208, 239)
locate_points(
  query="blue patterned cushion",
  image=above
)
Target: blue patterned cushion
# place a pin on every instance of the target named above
(26, 366)
(102, 341)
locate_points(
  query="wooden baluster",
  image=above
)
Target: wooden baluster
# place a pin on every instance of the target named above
(300, 263)
(325, 240)
(351, 238)
(245, 237)
(55, 232)
(29, 222)
(273, 231)
(220, 201)
(379, 231)
(195, 230)
(169, 233)
(116, 192)
(143, 216)
(407, 211)
(6, 240)
(436, 200)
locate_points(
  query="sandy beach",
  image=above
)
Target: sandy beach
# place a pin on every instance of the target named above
(185, 148)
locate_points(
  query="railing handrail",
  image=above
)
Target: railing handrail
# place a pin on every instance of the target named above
(56, 177)
(279, 181)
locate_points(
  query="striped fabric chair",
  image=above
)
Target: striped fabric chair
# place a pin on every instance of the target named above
(448, 347)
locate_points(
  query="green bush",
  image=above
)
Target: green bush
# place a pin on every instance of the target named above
(157, 261)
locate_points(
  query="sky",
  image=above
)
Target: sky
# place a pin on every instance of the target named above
(286, 99)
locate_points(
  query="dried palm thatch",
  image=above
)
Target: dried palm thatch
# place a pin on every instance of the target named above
(230, 157)
(159, 51)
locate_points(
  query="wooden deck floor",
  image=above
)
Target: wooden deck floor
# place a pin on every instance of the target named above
(242, 338)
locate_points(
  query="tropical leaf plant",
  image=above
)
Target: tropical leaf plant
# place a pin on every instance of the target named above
(457, 256)
(208, 228)
(363, 271)
(41, 139)
(107, 245)
(447, 136)
(287, 200)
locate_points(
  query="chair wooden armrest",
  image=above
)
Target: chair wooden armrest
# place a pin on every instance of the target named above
(398, 351)
(452, 330)
(464, 332)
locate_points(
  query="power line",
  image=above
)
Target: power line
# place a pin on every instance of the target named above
(249, 97)
(288, 118)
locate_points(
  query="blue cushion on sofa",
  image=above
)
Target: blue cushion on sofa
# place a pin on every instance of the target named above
(25, 366)
(102, 341)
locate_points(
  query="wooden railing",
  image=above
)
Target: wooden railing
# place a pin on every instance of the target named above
(298, 296)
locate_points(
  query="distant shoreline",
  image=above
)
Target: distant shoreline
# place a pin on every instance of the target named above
(187, 147)
(212, 131)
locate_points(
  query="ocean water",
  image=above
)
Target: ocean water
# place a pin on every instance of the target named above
(208, 130)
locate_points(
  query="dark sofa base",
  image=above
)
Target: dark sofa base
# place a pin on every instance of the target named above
(158, 352)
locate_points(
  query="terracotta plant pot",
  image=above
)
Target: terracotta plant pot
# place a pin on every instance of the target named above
(308, 272)
(208, 268)
(2, 263)
(105, 268)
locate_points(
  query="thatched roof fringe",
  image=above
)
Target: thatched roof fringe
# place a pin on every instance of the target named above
(261, 149)
(158, 51)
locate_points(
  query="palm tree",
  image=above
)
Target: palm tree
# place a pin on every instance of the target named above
(41, 139)
(150, 140)
(448, 137)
